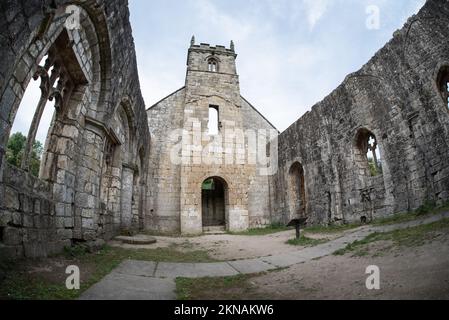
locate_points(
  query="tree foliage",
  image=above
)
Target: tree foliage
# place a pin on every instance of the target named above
(16, 148)
(374, 170)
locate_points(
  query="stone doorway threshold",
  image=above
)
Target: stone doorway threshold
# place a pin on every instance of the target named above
(214, 230)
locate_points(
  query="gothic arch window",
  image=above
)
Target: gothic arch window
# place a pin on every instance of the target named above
(57, 75)
(212, 65)
(367, 153)
(443, 85)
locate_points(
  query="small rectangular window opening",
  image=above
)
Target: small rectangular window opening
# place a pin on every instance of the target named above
(214, 120)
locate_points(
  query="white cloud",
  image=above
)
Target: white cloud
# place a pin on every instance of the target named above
(315, 10)
(215, 21)
(284, 68)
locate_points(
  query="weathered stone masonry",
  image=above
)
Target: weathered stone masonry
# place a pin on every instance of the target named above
(175, 200)
(92, 175)
(107, 165)
(399, 98)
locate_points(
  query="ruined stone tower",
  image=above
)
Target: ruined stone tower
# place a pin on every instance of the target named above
(217, 126)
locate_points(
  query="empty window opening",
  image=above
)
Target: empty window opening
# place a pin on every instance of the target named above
(443, 84)
(1, 233)
(213, 65)
(368, 153)
(214, 120)
(48, 91)
(22, 126)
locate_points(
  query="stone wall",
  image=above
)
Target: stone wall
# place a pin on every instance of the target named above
(164, 187)
(395, 96)
(260, 190)
(85, 153)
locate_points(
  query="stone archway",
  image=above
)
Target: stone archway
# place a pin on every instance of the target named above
(214, 202)
(297, 191)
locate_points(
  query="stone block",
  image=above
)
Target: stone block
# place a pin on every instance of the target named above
(35, 249)
(12, 236)
(11, 199)
(64, 234)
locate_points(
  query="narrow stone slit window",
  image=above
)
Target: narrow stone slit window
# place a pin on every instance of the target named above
(1, 234)
(213, 65)
(214, 120)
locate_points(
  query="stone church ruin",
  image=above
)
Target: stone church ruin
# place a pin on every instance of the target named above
(204, 158)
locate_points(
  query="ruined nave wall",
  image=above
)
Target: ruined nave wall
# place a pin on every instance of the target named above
(395, 96)
(99, 136)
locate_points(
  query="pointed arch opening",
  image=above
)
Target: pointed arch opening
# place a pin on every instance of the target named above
(367, 153)
(297, 191)
(212, 65)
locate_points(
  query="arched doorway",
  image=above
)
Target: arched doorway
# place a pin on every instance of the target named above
(297, 191)
(213, 202)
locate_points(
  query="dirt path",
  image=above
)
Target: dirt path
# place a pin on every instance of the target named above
(406, 273)
(228, 247)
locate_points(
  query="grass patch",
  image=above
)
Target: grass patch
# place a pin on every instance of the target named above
(21, 284)
(224, 288)
(429, 208)
(271, 229)
(303, 241)
(237, 287)
(332, 228)
(410, 237)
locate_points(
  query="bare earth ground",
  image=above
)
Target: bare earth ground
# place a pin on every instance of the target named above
(411, 273)
(231, 247)
(420, 271)
(406, 273)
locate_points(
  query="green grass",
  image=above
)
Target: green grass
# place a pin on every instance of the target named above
(429, 208)
(21, 285)
(271, 229)
(410, 237)
(332, 228)
(236, 287)
(205, 288)
(303, 241)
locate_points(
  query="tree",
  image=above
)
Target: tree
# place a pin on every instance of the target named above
(374, 169)
(16, 148)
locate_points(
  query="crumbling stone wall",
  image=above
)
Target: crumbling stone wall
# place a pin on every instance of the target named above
(86, 152)
(396, 97)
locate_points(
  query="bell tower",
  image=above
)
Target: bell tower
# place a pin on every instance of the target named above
(207, 58)
(212, 116)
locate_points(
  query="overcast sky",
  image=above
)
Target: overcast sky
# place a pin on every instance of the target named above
(292, 53)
